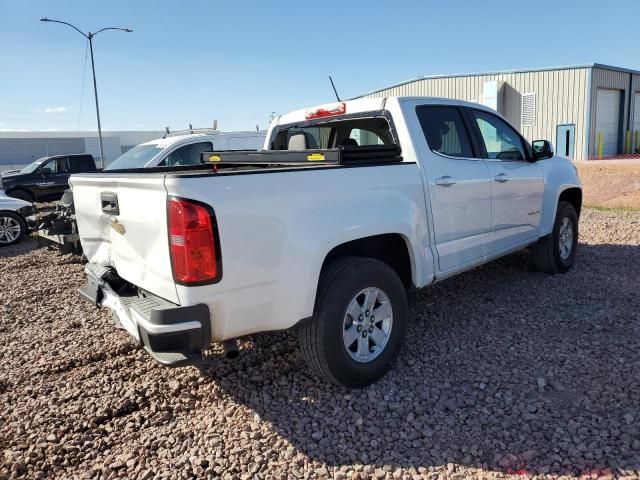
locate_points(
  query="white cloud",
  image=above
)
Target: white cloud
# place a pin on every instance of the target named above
(14, 130)
(55, 110)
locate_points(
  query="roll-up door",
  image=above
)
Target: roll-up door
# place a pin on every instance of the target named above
(636, 123)
(608, 120)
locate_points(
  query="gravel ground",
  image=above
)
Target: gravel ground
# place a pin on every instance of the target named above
(505, 372)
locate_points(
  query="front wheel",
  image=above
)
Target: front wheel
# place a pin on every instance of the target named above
(556, 253)
(12, 228)
(359, 322)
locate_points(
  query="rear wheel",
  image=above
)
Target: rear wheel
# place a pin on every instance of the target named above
(12, 228)
(556, 253)
(359, 322)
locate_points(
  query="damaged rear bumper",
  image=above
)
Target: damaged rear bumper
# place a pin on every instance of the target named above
(173, 335)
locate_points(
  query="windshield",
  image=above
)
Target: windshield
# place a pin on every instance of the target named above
(137, 157)
(33, 166)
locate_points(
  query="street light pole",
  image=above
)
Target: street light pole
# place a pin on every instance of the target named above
(89, 36)
(95, 92)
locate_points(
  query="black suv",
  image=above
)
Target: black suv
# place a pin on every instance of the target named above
(47, 178)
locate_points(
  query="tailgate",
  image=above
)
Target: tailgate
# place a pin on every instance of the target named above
(122, 222)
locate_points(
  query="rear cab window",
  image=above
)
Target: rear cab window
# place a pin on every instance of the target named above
(334, 133)
(81, 163)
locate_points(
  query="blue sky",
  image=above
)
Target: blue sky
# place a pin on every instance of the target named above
(239, 60)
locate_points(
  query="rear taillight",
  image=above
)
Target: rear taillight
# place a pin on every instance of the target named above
(192, 242)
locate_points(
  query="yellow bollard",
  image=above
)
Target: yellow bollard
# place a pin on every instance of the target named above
(599, 145)
(627, 142)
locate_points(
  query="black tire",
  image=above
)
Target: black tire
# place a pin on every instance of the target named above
(12, 218)
(22, 195)
(546, 256)
(321, 339)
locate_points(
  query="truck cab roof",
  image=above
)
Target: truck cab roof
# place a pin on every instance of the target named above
(362, 105)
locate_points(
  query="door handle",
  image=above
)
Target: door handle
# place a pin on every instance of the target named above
(445, 181)
(501, 178)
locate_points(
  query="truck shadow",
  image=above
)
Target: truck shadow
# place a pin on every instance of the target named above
(503, 369)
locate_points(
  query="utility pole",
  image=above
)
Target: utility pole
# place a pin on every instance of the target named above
(89, 36)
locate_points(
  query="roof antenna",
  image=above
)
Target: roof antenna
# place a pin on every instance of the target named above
(334, 88)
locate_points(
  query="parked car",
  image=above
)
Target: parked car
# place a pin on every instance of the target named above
(47, 178)
(184, 148)
(176, 149)
(348, 209)
(13, 224)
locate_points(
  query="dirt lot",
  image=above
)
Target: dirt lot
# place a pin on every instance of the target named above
(611, 183)
(505, 370)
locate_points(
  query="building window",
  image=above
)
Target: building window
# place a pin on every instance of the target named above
(528, 118)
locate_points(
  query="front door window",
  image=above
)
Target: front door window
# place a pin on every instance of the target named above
(500, 140)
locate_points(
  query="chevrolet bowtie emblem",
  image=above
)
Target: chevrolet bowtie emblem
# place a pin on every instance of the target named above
(117, 226)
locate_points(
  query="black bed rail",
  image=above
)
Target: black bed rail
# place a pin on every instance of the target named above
(352, 155)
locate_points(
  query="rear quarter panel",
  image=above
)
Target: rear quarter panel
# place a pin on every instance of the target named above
(277, 228)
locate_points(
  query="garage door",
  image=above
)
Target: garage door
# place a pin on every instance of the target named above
(608, 120)
(636, 123)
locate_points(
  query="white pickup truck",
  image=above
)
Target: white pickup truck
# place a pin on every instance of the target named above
(329, 229)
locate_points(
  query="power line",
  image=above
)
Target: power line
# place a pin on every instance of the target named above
(208, 3)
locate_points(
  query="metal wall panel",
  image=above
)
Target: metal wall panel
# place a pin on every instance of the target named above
(561, 97)
(17, 152)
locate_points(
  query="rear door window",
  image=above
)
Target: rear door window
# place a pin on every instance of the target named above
(445, 130)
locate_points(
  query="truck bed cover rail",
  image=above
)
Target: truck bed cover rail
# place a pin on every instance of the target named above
(351, 155)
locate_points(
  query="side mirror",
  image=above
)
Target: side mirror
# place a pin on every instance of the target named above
(46, 172)
(542, 149)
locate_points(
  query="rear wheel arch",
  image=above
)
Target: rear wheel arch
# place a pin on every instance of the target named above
(392, 249)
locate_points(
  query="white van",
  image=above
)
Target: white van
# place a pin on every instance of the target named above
(185, 147)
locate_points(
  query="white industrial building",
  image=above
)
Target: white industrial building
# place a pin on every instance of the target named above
(21, 148)
(586, 111)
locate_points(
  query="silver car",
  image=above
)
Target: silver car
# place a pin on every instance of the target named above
(13, 214)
